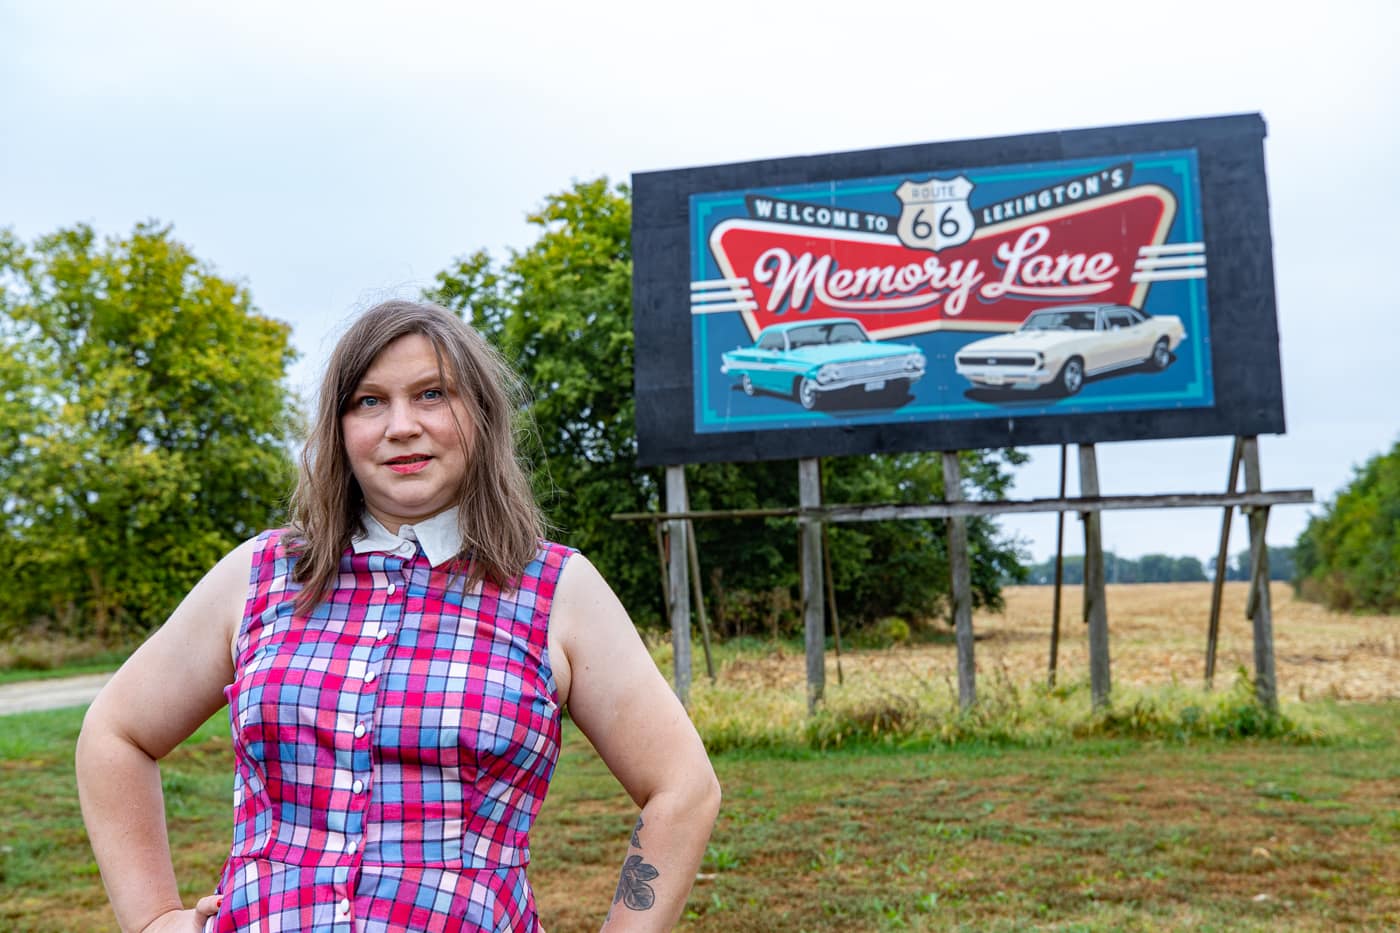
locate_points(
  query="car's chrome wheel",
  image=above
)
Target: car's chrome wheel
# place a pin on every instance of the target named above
(747, 383)
(1072, 375)
(807, 393)
(1161, 354)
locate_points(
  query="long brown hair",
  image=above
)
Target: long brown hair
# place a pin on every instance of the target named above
(500, 523)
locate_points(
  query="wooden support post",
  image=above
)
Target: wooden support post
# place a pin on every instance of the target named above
(961, 571)
(1265, 680)
(809, 492)
(1095, 598)
(831, 603)
(679, 585)
(660, 534)
(1059, 569)
(1222, 561)
(830, 579)
(699, 594)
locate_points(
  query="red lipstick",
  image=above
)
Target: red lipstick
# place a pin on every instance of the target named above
(408, 464)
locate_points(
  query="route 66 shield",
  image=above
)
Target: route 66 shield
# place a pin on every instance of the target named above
(935, 214)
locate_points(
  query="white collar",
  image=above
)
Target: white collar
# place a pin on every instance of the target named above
(440, 537)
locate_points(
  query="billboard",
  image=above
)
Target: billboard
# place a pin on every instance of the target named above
(1081, 286)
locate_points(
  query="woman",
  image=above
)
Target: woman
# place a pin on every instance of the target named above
(395, 664)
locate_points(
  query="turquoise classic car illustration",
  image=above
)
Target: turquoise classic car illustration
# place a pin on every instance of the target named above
(809, 359)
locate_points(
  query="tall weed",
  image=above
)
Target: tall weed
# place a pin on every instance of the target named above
(914, 711)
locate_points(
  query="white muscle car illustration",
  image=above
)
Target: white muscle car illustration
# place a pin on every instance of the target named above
(1060, 346)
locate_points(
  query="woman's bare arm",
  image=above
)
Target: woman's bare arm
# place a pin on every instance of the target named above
(165, 690)
(627, 710)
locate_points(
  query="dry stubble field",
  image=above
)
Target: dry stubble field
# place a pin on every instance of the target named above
(1157, 635)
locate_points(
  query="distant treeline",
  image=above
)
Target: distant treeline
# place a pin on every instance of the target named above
(1162, 568)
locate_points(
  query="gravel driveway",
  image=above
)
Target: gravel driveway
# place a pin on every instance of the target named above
(32, 695)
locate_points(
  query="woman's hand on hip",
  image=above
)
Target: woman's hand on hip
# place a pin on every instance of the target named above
(185, 921)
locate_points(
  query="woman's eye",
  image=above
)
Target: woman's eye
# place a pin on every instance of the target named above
(432, 395)
(366, 401)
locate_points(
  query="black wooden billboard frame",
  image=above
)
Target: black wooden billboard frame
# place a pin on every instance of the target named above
(1247, 378)
(681, 573)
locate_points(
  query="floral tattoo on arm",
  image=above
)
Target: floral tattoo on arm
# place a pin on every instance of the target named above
(632, 888)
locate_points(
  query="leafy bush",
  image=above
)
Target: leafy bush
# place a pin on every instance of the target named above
(737, 613)
(884, 633)
(1236, 714)
(1349, 556)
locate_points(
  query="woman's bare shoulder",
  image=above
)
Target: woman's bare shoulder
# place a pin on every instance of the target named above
(227, 583)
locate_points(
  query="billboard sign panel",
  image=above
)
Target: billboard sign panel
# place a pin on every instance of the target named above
(961, 300)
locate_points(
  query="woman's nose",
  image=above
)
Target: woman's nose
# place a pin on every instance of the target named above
(402, 421)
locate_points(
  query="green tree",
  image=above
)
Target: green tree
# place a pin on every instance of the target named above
(144, 421)
(1071, 571)
(561, 311)
(1163, 568)
(1281, 564)
(1349, 556)
(1156, 568)
(1188, 570)
(1150, 568)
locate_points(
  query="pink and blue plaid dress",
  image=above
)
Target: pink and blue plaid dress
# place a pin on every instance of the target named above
(393, 748)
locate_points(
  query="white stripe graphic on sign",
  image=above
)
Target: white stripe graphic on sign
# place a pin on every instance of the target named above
(1168, 248)
(710, 296)
(705, 284)
(1167, 262)
(1168, 274)
(727, 306)
(736, 294)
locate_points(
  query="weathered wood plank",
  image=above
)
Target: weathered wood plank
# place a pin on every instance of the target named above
(1059, 571)
(809, 491)
(1265, 681)
(960, 568)
(1222, 557)
(698, 591)
(1095, 594)
(676, 504)
(881, 511)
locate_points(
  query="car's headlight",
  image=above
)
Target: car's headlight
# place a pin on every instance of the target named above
(914, 361)
(828, 373)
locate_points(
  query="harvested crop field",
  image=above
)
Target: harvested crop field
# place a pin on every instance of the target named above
(1157, 635)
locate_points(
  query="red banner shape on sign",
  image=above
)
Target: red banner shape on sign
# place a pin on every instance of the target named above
(1079, 253)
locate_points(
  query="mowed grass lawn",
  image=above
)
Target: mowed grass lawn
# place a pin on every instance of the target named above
(1093, 835)
(1049, 832)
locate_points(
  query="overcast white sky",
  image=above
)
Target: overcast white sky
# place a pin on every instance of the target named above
(333, 154)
